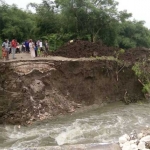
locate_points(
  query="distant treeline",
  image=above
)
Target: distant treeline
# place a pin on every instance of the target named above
(63, 20)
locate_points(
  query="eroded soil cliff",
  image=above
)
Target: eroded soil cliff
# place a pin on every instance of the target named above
(39, 89)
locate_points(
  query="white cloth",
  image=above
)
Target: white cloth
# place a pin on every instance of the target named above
(40, 44)
(32, 51)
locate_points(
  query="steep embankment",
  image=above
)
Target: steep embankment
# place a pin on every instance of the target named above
(39, 89)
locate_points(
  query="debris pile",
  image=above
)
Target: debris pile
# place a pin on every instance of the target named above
(78, 49)
(136, 141)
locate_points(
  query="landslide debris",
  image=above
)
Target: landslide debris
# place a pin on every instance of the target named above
(79, 48)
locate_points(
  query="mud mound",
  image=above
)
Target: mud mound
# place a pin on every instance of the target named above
(80, 48)
(136, 54)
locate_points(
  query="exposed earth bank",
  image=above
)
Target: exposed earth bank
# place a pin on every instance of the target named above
(36, 89)
(32, 90)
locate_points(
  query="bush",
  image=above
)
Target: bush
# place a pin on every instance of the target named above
(143, 75)
(146, 88)
(138, 71)
(57, 40)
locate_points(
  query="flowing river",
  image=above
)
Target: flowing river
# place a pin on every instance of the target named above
(98, 125)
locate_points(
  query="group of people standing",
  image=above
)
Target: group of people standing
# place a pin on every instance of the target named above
(6, 48)
(36, 48)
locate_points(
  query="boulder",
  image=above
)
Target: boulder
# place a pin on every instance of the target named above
(37, 86)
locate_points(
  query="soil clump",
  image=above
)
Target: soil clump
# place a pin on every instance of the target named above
(78, 49)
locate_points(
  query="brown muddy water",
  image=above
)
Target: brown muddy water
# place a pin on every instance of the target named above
(97, 125)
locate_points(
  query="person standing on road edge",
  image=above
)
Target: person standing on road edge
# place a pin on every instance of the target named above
(4, 53)
(41, 45)
(6, 45)
(27, 46)
(36, 48)
(46, 47)
(13, 48)
(32, 46)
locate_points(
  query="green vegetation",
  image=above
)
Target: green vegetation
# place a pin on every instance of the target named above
(121, 51)
(64, 20)
(142, 73)
(146, 88)
(137, 70)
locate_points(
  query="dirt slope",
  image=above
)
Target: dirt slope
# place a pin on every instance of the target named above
(72, 84)
(80, 49)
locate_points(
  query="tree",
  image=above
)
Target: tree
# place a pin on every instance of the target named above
(15, 23)
(46, 17)
(134, 34)
(90, 17)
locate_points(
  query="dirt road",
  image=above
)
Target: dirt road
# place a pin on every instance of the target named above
(27, 56)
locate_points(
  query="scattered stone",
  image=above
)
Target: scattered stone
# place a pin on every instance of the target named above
(37, 86)
(141, 141)
(133, 135)
(146, 139)
(126, 146)
(140, 135)
(134, 147)
(147, 144)
(141, 145)
(124, 139)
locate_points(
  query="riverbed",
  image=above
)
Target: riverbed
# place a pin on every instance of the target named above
(97, 125)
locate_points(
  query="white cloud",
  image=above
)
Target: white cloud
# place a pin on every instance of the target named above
(140, 9)
(22, 3)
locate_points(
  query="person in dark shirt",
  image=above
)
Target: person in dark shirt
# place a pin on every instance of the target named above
(27, 46)
(35, 48)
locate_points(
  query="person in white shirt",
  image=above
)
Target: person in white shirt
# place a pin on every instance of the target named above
(32, 46)
(41, 45)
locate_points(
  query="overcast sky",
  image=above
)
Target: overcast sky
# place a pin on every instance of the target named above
(139, 8)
